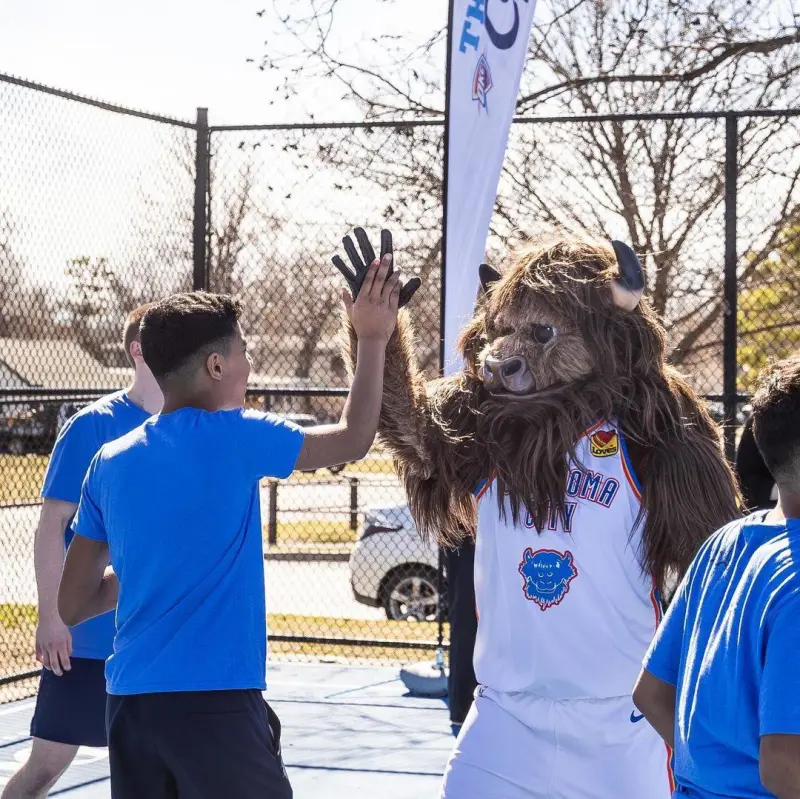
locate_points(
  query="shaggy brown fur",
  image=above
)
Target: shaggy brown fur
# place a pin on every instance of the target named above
(603, 363)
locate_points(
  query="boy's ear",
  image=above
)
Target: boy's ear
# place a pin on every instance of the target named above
(214, 366)
(136, 350)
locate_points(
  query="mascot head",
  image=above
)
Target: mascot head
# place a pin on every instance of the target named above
(568, 308)
(559, 340)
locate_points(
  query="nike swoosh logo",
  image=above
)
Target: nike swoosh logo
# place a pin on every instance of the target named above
(635, 718)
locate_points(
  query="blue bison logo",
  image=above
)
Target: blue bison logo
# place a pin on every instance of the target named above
(547, 576)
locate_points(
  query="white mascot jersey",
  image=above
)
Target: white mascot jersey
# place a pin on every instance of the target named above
(567, 613)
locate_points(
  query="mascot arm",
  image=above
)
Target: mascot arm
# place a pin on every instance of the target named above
(428, 427)
(688, 490)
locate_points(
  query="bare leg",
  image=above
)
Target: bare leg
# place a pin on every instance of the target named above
(47, 762)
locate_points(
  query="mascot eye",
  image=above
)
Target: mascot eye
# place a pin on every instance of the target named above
(543, 333)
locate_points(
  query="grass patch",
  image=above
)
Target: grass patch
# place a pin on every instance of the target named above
(313, 531)
(370, 465)
(353, 629)
(17, 636)
(334, 627)
(21, 477)
(17, 616)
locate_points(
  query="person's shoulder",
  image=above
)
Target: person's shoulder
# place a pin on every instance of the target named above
(725, 537)
(773, 557)
(733, 529)
(118, 447)
(254, 416)
(97, 412)
(87, 420)
(781, 545)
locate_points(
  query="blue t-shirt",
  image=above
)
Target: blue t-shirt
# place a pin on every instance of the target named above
(77, 443)
(177, 500)
(730, 642)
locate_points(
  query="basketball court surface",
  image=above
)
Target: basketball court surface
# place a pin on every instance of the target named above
(346, 732)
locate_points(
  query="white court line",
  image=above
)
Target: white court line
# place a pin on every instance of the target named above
(289, 666)
(326, 686)
(270, 683)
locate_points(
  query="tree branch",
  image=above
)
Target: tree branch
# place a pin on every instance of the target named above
(727, 52)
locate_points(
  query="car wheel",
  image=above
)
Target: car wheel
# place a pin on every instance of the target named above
(16, 446)
(336, 469)
(410, 594)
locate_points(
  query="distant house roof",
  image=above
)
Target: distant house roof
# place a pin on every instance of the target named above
(58, 363)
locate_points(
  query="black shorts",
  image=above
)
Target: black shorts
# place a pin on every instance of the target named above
(195, 745)
(71, 709)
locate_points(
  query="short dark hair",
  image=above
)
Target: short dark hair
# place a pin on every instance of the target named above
(181, 328)
(776, 418)
(130, 332)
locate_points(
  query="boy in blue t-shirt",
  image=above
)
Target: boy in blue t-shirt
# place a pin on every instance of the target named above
(176, 504)
(721, 681)
(71, 701)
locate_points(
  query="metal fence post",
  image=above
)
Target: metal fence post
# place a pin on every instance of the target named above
(354, 503)
(440, 611)
(730, 326)
(272, 528)
(201, 182)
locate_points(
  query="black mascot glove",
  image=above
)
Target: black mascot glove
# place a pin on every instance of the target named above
(355, 276)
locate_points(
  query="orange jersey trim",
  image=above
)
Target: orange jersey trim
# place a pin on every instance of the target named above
(630, 478)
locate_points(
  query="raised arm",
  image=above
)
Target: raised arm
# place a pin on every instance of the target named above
(373, 316)
(427, 427)
(53, 638)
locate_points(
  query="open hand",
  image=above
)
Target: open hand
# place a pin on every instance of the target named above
(374, 311)
(356, 275)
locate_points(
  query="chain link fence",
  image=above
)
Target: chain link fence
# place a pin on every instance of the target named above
(102, 209)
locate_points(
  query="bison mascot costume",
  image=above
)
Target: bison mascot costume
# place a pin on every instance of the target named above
(590, 474)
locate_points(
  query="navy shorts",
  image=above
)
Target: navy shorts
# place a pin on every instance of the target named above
(71, 709)
(195, 745)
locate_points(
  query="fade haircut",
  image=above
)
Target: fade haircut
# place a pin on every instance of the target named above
(131, 330)
(183, 329)
(776, 418)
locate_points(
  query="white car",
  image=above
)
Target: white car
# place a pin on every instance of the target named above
(391, 567)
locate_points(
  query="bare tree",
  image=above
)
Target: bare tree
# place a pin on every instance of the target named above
(660, 184)
(26, 310)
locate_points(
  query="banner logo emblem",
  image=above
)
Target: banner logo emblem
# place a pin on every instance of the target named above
(482, 81)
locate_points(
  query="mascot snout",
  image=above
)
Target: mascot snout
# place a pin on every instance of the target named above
(507, 374)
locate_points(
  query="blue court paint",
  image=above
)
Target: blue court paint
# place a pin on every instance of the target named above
(396, 746)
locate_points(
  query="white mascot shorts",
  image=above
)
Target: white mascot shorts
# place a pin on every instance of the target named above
(520, 746)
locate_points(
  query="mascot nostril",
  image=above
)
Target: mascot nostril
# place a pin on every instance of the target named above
(511, 366)
(510, 375)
